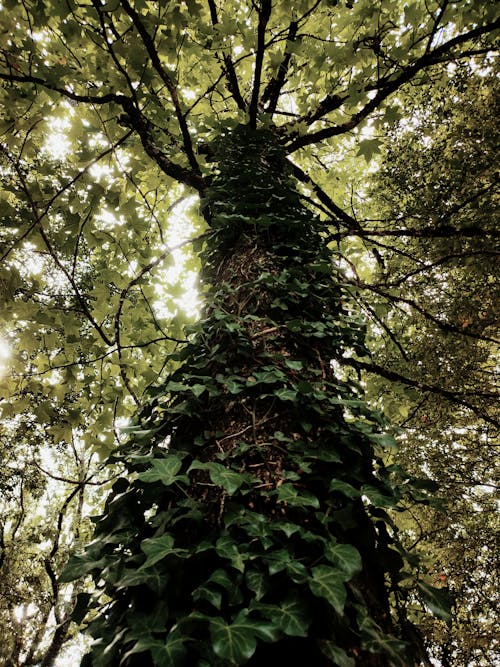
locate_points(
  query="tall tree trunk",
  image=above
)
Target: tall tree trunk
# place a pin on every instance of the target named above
(251, 525)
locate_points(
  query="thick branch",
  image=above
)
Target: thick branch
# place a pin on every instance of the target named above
(386, 87)
(393, 376)
(448, 327)
(426, 233)
(155, 59)
(137, 121)
(339, 213)
(228, 70)
(272, 90)
(264, 15)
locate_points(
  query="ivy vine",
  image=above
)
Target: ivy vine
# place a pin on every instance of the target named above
(254, 521)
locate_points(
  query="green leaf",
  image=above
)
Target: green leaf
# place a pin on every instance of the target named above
(163, 470)
(157, 548)
(165, 654)
(383, 440)
(377, 497)
(285, 394)
(237, 641)
(368, 148)
(327, 582)
(257, 582)
(344, 488)
(336, 654)
(209, 593)
(437, 599)
(226, 547)
(291, 616)
(221, 476)
(345, 557)
(80, 565)
(233, 386)
(172, 653)
(294, 365)
(198, 389)
(138, 577)
(287, 493)
(141, 646)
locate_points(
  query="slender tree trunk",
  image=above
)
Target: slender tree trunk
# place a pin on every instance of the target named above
(260, 533)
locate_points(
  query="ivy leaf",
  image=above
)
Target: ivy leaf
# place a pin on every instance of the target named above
(383, 440)
(133, 577)
(336, 654)
(291, 616)
(165, 654)
(80, 565)
(172, 652)
(257, 582)
(157, 548)
(327, 582)
(287, 493)
(344, 488)
(221, 476)
(437, 599)
(285, 394)
(163, 470)
(345, 557)
(237, 641)
(226, 547)
(377, 497)
(294, 365)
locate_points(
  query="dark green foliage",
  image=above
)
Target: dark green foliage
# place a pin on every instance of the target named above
(253, 524)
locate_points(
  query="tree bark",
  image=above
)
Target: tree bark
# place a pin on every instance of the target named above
(279, 499)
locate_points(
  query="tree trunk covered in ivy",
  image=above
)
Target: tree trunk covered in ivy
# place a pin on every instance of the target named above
(252, 524)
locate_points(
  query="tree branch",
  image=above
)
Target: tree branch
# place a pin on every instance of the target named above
(386, 87)
(264, 15)
(426, 233)
(228, 70)
(339, 213)
(448, 327)
(135, 120)
(75, 97)
(272, 90)
(155, 59)
(393, 376)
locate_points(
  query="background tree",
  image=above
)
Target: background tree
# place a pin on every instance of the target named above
(119, 82)
(444, 178)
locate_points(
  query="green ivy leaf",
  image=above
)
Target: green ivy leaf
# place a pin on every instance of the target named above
(133, 577)
(345, 557)
(172, 652)
(437, 599)
(294, 365)
(80, 565)
(291, 616)
(221, 476)
(257, 582)
(285, 394)
(344, 488)
(336, 654)
(226, 547)
(377, 497)
(157, 548)
(287, 493)
(327, 582)
(164, 471)
(237, 641)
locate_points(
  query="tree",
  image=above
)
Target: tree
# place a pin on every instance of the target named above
(253, 452)
(450, 178)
